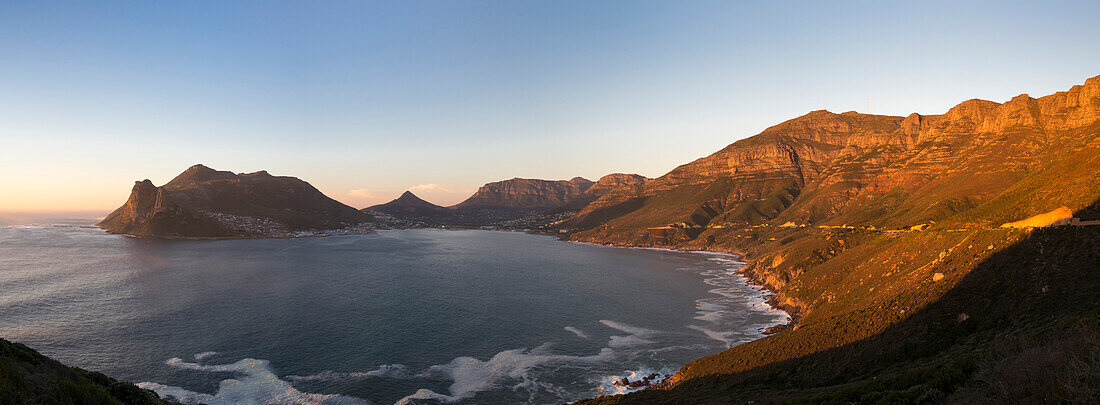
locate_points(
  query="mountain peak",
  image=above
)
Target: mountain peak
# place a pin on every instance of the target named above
(409, 204)
(198, 174)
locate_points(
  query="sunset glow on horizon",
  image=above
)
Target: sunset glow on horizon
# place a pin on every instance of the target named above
(367, 100)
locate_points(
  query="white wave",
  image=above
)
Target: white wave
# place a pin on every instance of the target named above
(720, 336)
(397, 371)
(633, 330)
(730, 314)
(204, 355)
(470, 375)
(256, 384)
(627, 341)
(577, 332)
(637, 335)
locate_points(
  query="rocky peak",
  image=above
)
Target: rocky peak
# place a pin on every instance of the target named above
(198, 174)
(143, 185)
(973, 111)
(913, 124)
(847, 129)
(613, 181)
(1077, 107)
(1020, 111)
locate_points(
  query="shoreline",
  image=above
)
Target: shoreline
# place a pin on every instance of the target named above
(773, 298)
(321, 234)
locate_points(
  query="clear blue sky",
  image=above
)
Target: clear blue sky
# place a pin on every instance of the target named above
(365, 99)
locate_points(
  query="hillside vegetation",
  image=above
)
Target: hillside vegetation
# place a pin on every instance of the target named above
(27, 377)
(882, 235)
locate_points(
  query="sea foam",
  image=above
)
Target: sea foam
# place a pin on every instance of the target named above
(256, 384)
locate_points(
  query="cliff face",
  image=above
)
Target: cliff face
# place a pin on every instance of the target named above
(609, 183)
(525, 194)
(150, 211)
(834, 169)
(882, 236)
(202, 202)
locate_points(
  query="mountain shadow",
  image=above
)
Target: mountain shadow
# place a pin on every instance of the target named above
(1000, 316)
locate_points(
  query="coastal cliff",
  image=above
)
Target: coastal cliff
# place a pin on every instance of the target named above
(203, 202)
(882, 236)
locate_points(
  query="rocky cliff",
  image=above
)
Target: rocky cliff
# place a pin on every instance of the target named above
(882, 236)
(882, 171)
(203, 202)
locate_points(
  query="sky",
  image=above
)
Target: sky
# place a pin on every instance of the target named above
(367, 99)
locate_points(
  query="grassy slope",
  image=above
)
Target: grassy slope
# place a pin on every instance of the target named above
(27, 377)
(1016, 322)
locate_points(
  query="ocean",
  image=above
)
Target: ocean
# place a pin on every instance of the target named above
(392, 317)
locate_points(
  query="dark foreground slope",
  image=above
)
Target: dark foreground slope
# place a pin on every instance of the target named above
(27, 377)
(882, 236)
(1015, 319)
(203, 202)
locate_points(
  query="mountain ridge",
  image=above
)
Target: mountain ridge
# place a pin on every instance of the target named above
(525, 194)
(882, 236)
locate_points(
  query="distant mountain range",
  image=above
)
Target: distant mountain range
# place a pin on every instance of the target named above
(205, 203)
(526, 194)
(515, 203)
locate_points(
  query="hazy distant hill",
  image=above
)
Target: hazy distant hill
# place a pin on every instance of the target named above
(883, 236)
(525, 194)
(516, 203)
(203, 202)
(409, 204)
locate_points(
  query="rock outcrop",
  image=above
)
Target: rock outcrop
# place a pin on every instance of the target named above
(203, 202)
